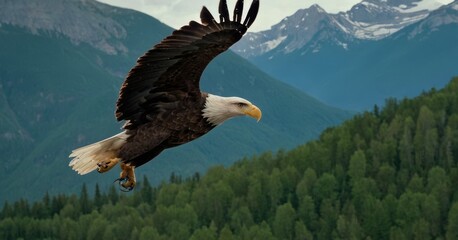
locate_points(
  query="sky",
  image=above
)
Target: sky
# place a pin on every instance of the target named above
(177, 13)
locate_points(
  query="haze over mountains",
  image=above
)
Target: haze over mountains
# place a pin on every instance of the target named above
(380, 48)
(61, 65)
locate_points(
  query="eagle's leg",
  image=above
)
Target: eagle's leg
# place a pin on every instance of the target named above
(127, 177)
(105, 166)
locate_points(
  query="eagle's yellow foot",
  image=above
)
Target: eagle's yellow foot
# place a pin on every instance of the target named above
(127, 178)
(105, 166)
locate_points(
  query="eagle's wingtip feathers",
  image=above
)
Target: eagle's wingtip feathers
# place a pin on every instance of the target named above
(238, 11)
(252, 13)
(223, 11)
(207, 18)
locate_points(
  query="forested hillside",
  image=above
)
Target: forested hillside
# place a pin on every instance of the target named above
(387, 174)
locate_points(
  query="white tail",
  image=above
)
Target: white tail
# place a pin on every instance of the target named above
(85, 158)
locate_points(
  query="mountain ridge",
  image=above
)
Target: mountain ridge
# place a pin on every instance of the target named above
(367, 20)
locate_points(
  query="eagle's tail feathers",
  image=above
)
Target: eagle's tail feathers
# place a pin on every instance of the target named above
(85, 159)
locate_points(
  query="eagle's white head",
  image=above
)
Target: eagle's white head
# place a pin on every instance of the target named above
(218, 109)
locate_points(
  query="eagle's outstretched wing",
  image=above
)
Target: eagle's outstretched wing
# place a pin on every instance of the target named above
(170, 71)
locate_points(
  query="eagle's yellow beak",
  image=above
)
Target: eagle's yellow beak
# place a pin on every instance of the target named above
(253, 112)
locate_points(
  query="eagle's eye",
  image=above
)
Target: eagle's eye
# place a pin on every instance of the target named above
(241, 104)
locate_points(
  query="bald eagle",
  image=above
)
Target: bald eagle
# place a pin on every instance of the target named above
(161, 101)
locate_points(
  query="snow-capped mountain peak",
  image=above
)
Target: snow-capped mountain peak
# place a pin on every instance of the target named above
(428, 5)
(376, 19)
(443, 16)
(367, 20)
(454, 5)
(291, 33)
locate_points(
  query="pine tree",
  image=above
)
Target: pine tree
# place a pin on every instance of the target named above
(148, 233)
(406, 149)
(301, 232)
(226, 234)
(357, 168)
(284, 220)
(452, 226)
(425, 140)
(84, 201)
(208, 233)
(146, 191)
(7, 211)
(98, 198)
(113, 196)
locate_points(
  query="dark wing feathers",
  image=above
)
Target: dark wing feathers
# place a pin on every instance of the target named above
(206, 17)
(223, 11)
(238, 11)
(170, 72)
(252, 13)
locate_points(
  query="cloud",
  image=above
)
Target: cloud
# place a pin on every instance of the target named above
(177, 13)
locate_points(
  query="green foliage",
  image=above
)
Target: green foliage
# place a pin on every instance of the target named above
(452, 228)
(283, 224)
(393, 178)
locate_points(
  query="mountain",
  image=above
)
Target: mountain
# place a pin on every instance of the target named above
(344, 70)
(290, 34)
(444, 16)
(376, 19)
(372, 19)
(61, 65)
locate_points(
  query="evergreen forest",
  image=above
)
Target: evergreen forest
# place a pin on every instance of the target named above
(389, 173)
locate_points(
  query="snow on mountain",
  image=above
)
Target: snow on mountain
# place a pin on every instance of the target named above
(291, 33)
(443, 16)
(376, 19)
(455, 5)
(367, 20)
(419, 6)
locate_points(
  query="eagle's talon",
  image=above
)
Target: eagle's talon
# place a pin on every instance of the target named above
(127, 185)
(124, 189)
(126, 179)
(124, 184)
(119, 180)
